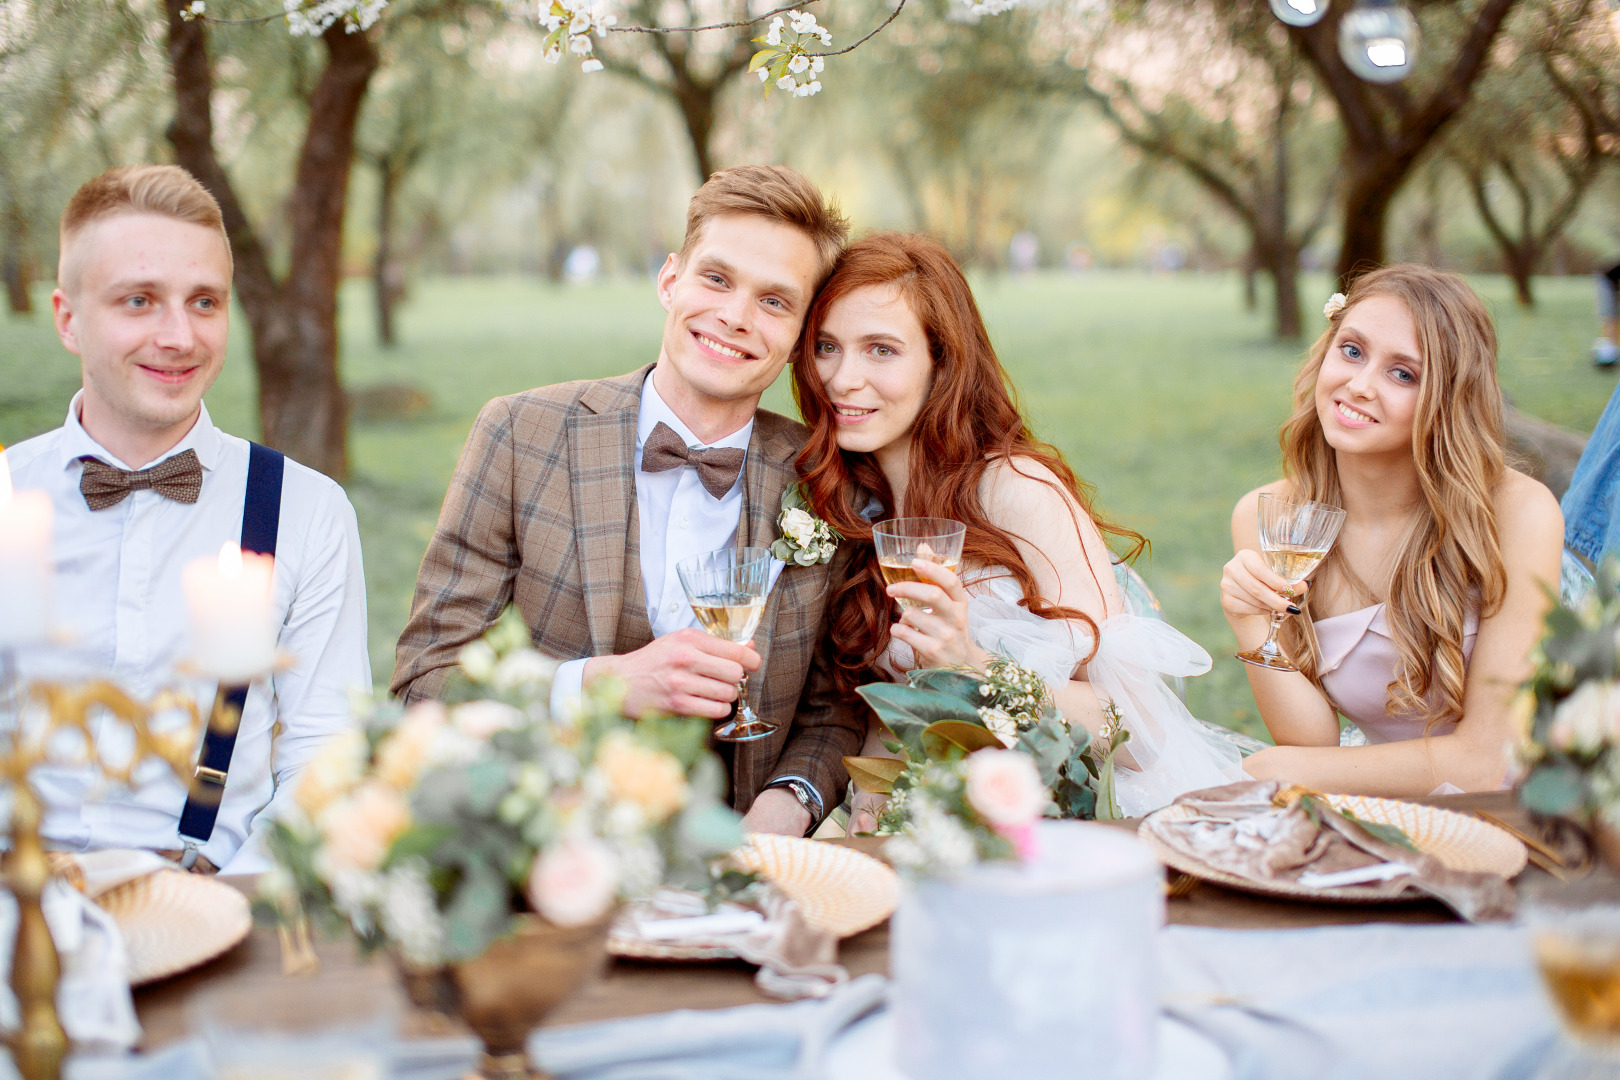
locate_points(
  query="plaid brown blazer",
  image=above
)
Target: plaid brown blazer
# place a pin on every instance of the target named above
(541, 513)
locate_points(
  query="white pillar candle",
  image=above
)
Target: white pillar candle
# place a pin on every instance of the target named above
(233, 626)
(25, 563)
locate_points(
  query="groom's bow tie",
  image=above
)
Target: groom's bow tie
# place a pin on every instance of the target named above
(717, 467)
(178, 478)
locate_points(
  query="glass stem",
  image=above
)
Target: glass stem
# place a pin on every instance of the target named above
(1270, 647)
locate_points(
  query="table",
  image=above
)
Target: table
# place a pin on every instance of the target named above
(634, 989)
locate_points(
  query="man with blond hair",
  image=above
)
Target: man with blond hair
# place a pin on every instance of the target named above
(576, 501)
(142, 482)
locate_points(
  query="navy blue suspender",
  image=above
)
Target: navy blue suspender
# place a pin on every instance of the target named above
(261, 521)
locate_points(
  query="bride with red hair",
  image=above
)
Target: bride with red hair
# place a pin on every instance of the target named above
(911, 415)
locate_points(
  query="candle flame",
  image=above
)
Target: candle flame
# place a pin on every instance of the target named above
(5, 479)
(230, 560)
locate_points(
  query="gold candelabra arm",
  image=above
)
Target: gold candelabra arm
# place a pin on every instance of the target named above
(40, 1044)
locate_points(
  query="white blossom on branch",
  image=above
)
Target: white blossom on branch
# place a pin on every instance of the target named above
(571, 24)
(786, 60)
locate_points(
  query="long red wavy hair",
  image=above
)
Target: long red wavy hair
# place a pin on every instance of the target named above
(969, 421)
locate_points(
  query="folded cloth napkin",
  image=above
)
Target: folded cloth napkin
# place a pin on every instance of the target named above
(1239, 829)
(92, 995)
(1348, 1003)
(96, 872)
(795, 959)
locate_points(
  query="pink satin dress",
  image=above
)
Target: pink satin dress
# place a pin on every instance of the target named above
(1358, 664)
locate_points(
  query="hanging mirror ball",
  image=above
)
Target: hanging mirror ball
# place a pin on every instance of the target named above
(1299, 12)
(1378, 41)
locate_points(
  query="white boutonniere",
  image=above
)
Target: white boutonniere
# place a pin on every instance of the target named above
(806, 539)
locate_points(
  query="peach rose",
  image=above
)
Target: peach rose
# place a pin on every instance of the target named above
(1005, 788)
(331, 773)
(403, 753)
(651, 779)
(574, 881)
(358, 830)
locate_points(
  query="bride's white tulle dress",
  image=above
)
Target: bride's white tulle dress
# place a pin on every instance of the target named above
(1173, 751)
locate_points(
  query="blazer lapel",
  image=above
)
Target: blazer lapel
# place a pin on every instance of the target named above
(602, 448)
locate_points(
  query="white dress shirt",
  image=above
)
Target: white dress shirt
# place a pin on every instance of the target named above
(678, 518)
(118, 595)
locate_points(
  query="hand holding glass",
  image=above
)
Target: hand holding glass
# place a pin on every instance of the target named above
(727, 590)
(1295, 536)
(901, 540)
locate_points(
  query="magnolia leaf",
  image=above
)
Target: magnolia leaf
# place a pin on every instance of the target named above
(1555, 791)
(908, 712)
(418, 840)
(874, 775)
(951, 739)
(949, 681)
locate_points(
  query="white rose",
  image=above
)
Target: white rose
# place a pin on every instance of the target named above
(574, 881)
(478, 661)
(799, 526)
(524, 667)
(1586, 719)
(1004, 786)
(481, 719)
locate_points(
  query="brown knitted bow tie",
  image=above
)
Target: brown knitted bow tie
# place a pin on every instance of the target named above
(178, 478)
(717, 467)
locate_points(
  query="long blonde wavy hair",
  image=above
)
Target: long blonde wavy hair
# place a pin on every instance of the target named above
(1450, 558)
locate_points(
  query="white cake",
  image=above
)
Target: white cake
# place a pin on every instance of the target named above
(1035, 970)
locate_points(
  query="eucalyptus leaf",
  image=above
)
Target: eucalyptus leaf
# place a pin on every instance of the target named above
(708, 830)
(1389, 834)
(417, 841)
(487, 781)
(1555, 790)
(478, 912)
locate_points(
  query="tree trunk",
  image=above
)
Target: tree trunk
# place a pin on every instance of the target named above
(1251, 266)
(1366, 206)
(1520, 264)
(697, 109)
(1284, 270)
(16, 265)
(294, 322)
(384, 274)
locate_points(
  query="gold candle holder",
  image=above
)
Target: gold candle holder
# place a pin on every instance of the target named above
(40, 1043)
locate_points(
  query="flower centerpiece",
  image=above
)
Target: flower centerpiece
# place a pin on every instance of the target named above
(942, 719)
(486, 843)
(1571, 712)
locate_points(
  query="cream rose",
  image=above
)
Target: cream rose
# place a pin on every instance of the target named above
(357, 830)
(332, 772)
(799, 526)
(1587, 719)
(651, 779)
(1004, 787)
(477, 660)
(521, 668)
(574, 881)
(404, 752)
(481, 719)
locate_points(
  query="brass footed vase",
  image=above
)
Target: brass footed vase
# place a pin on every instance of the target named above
(504, 993)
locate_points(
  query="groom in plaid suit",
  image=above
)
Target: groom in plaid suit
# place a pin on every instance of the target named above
(575, 502)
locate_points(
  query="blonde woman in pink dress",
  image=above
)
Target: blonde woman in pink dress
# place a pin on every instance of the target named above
(1418, 625)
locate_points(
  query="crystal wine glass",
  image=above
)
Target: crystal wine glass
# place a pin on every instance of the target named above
(727, 590)
(1295, 536)
(1575, 930)
(900, 540)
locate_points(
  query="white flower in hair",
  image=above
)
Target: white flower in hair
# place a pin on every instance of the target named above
(1334, 305)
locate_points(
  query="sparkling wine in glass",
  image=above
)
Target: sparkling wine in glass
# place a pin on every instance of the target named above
(727, 590)
(1295, 536)
(1575, 930)
(902, 540)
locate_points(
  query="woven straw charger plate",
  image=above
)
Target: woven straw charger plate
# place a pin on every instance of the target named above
(837, 889)
(1458, 841)
(173, 921)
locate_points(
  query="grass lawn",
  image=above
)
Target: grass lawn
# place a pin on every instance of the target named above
(1161, 391)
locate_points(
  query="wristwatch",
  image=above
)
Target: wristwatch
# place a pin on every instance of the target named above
(808, 796)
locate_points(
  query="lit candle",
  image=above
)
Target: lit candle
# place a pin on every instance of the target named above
(233, 625)
(25, 563)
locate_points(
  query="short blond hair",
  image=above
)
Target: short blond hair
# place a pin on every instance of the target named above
(165, 190)
(776, 193)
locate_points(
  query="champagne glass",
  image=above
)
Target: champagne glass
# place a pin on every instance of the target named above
(727, 589)
(1575, 932)
(900, 540)
(1295, 536)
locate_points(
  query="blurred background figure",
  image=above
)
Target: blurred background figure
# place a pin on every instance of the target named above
(1604, 351)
